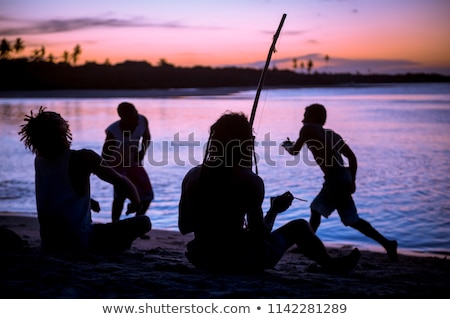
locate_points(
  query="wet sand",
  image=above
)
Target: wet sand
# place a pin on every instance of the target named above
(157, 268)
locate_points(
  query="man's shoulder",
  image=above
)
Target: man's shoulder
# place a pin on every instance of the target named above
(113, 126)
(86, 157)
(143, 118)
(249, 179)
(193, 172)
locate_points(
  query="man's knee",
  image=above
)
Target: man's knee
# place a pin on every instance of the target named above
(145, 222)
(299, 224)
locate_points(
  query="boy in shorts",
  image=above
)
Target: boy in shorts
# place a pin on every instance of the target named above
(328, 147)
(124, 149)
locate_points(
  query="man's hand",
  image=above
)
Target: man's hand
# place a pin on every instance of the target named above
(133, 207)
(95, 206)
(282, 202)
(287, 145)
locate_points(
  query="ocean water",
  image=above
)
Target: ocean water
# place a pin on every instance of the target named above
(400, 134)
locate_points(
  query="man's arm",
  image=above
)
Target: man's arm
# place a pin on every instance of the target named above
(352, 162)
(277, 205)
(109, 175)
(185, 214)
(188, 205)
(146, 140)
(297, 146)
(109, 149)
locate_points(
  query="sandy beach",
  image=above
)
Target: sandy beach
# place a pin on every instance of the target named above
(157, 268)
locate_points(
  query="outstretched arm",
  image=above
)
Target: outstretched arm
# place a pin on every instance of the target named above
(295, 148)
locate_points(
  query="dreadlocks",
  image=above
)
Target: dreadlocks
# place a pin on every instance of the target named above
(230, 142)
(46, 133)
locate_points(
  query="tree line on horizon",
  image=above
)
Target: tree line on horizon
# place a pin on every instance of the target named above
(37, 73)
(39, 55)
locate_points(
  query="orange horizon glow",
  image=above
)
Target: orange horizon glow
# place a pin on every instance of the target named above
(406, 35)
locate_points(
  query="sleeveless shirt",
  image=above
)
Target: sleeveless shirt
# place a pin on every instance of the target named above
(64, 216)
(127, 142)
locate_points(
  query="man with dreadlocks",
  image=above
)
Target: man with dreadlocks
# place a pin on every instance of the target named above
(221, 204)
(328, 147)
(63, 191)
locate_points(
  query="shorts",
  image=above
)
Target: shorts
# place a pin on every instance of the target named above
(336, 195)
(139, 177)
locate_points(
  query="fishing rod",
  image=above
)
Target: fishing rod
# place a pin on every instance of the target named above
(262, 79)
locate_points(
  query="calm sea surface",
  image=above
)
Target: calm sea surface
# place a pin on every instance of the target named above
(400, 134)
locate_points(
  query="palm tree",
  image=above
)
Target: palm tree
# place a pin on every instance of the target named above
(38, 54)
(65, 57)
(327, 58)
(310, 65)
(51, 58)
(35, 56)
(294, 63)
(42, 52)
(76, 53)
(18, 45)
(5, 48)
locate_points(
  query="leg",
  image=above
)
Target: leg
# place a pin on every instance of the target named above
(390, 245)
(117, 207)
(314, 220)
(144, 207)
(299, 232)
(118, 236)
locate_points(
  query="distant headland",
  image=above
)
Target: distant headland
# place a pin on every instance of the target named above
(24, 75)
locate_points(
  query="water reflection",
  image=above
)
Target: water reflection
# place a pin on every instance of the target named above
(400, 135)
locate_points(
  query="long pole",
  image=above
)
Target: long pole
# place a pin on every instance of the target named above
(266, 67)
(262, 78)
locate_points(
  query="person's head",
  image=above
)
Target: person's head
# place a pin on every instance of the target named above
(315, 113)
(231, 142)
(46, 133)
(128, 116)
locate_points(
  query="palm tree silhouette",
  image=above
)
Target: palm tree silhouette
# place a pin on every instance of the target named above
(66, 56)
(76, 53)
(5, 48)
(38, 54)
(310, 65)
(327, 58)
(51, 58)
(18, 45)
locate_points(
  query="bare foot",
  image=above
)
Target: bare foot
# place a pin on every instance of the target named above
(345, 263)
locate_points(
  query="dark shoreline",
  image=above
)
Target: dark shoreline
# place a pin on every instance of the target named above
(174, 92)
(25, 76)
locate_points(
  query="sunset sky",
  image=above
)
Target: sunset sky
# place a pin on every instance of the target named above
(382, 36)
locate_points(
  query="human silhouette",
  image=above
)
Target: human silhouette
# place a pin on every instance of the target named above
(124, 149)
(63, 191)
(327, 148)
(221, 204)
